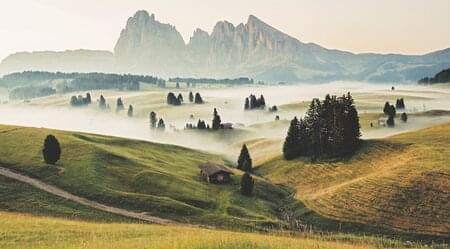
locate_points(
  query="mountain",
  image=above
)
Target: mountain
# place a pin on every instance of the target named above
(254, 49)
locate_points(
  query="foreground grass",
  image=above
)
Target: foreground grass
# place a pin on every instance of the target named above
(23, 231)
(402, 182)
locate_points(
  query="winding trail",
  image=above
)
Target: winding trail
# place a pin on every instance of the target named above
(83, 201)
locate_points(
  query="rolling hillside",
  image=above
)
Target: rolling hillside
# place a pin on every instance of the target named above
(156, 179)
(402, 182)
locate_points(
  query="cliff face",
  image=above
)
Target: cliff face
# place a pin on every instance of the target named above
(254, 49)
(146, 45)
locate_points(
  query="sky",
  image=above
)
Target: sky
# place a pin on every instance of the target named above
(382, 26)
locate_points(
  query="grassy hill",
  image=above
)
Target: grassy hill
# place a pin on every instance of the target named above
(161, 180)
(402, 182)
(23, 231)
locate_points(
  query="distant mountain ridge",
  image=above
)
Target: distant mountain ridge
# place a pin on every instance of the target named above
(254, 49)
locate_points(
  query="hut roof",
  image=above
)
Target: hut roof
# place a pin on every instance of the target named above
(213, 168)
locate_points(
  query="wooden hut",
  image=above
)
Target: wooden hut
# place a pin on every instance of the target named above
(215, 173)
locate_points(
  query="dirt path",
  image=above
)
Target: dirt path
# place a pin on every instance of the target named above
(83, 201)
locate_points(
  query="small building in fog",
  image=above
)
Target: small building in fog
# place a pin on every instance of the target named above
(215, 173)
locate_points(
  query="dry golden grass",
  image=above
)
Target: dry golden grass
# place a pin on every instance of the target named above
(402, 182)
(23, 231)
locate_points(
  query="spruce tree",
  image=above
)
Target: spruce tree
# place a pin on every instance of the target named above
(244, 160)
(198, 99)
(88, 98)
(191, 97)
(130, 111)
(153, 120)
(290, 146)
(314, 122)
(390, 121)
(180, 98)
(387, 108)
(119, 106)
(216, 120)
(247, 104)
(404, 117)
(247, 184)
(52, 150)
(102, 103)
(161, 125)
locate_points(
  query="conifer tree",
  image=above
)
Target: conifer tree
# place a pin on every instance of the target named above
(191, 97)
(198, 99)
(52, 150)
(244, 160)
(161, 125)
(404, 117)
(247, 184)
(216, 120)
(180, 98)
(130, 111)
(390, 121)
(119, 106)
(153, 120)
(290, 146)
(102, 103)
(247, 104)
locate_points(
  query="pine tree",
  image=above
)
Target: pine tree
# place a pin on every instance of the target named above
(119, 106)
(244, 160)
(88, 98)
(216, 120)
(153, 120)
(180, 98)
(161, 125)
(102, 103)
(404, 117)
(390, 122)
(130, 111)
(247, 184)
(198, 99)
(191, 97)
(290, 146)
(52, 150)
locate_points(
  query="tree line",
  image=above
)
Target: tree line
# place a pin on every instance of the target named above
(236, 81)
(441, 77)
(330, 128)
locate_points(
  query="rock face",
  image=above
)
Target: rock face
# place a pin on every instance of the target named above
(146, 45)
(254, 49)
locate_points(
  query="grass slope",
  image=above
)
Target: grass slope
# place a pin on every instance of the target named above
(24, 231)
(402, 182)
(161, 180)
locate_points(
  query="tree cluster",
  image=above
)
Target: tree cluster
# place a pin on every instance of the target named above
(80, 100)
(252, 102)
(172, 99)
(155, 123)
(273, 109)
(29, 92)
(201, 125)
(330, 128)
(400, 104)
(389, 109)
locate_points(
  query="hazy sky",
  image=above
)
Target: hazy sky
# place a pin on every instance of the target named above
(398, 26)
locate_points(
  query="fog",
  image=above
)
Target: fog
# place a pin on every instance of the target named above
(229, 101)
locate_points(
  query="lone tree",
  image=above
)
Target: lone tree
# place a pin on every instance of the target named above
(404, 117)
(52, 150)
(247, 184)
(153, 120)
(198, 99)
(216, 120)
(119, 106)
(390, 121)
(130, 111)
(102, 103)
(161, 125)
(291, 144)
(244, 160)
(247, 104)
(88, 98)
(191, 97)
